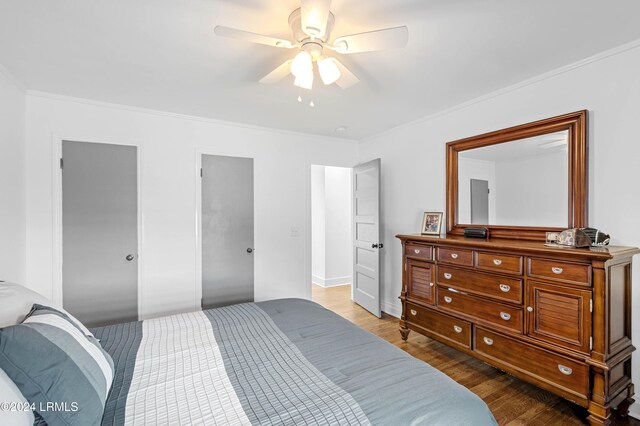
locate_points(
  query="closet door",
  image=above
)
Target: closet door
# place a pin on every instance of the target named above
(100, 232)
(227, 230)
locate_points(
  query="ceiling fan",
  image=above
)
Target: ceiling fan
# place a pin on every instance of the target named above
(311, 25)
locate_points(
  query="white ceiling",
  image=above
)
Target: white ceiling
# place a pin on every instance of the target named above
(162, 54)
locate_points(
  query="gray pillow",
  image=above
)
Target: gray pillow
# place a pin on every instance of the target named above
(16, 302)
(63, 372)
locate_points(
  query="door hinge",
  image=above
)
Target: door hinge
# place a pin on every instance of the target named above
(590, 343)
(61, 163)
(488, 191)
(590, 305)
(200, 171)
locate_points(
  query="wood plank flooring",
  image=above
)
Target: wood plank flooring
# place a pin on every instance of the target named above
(512, 401)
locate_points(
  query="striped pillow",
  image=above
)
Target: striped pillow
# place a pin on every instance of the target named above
(62, 372)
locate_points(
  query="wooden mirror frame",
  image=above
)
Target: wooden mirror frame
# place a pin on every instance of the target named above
(576, 124)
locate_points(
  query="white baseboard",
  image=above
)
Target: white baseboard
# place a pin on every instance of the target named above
(331, 282)
(392, 308)
(634, 410)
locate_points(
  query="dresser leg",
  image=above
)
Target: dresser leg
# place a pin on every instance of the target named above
(404, 333)
(623, 407)
(599, 415)
(595, 421)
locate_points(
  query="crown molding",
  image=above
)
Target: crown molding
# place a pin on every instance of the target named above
(149, 111)
(512, 88)
(12, 78)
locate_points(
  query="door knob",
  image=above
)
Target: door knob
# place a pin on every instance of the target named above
(380, 245)
(129, 257)
(374, 245)
(249, 250)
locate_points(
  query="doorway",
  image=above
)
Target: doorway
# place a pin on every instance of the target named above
(227, 222)
(100, 232)
(331, 235)
(479, 201)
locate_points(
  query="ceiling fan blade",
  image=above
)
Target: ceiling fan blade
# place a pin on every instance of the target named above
(347, 79)
(389, 38)
(278, 74)
(251, 37)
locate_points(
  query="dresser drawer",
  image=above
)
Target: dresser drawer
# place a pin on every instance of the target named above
(495, 313)
(560, 271)
(495, 286)
(499, 262)
(455, 256)
(452, 329)
(418, 251)
(570, 375)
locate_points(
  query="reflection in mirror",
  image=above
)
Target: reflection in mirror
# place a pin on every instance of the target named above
(519, 183)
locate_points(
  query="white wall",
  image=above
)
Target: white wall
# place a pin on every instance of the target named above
(532, 191)
(332, 240)
(338, 223)
(12, 180)
(168, 144)
(318, 241)
(413, 155)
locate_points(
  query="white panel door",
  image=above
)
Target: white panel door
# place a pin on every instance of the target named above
(366, 235)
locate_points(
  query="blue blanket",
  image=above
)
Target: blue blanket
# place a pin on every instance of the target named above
(279, 362)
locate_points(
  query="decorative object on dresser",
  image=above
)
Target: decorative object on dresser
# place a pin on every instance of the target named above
(559, 318)
(431, 223)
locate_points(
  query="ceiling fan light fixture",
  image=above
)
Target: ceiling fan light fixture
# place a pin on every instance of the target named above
(302, 64)
(304, 81)
(329, 71)
(315, 15)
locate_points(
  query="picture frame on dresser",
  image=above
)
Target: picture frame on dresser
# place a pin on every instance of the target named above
(431, 223)
(557, 318)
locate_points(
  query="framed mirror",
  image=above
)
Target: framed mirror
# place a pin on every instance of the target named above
(520, 182)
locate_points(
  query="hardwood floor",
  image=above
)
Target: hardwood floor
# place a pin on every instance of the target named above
(512, 401)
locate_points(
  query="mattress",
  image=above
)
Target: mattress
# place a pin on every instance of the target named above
(286, 361)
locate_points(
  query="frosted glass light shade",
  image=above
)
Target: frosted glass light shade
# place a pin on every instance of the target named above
(302, 64)
(315, 14)
(304, 81)
(329, 71)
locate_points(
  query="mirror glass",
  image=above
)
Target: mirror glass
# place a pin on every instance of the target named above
(518, 183)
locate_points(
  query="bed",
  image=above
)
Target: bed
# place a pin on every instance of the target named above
(286, 361)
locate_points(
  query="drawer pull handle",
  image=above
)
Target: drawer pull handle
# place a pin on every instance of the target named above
(505, 288)
(557, 270)
(447, 275)
(448, 299)
(529, 309)
(454, 255)
(414, 312)
(565, 370)
(457, 329)
(416, 251)
(505, 316)
(430, 284)
(488, 341)
(497, 261)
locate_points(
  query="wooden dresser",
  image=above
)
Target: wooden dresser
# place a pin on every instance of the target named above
(559, 318)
